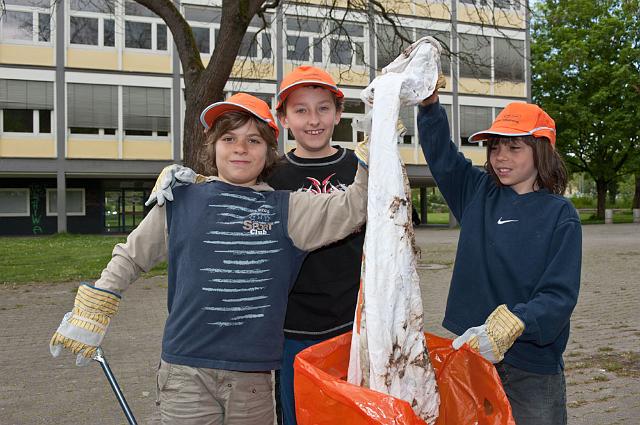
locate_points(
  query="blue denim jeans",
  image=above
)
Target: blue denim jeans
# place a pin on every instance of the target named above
(535, 399)
(287, 405)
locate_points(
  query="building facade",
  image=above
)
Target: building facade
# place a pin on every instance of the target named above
(91, 102)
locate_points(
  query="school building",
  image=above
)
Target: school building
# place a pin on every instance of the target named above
(91, 103)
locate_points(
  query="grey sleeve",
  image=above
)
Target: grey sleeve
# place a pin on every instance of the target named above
(145, 247)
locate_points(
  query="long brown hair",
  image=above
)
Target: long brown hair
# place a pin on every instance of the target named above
(231, 121)
(552, 173)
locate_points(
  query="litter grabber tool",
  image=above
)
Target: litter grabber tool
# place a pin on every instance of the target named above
(99, 357)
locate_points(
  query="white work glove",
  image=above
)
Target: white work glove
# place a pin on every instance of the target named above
(82, 329)
(495, 337)
(170, 176)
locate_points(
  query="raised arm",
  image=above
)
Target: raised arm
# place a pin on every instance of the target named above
(455, 175)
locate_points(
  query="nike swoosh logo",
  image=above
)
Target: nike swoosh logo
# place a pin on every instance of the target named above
(501, 221)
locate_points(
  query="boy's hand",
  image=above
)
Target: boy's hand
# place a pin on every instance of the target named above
(171, 176)
(442, 83)
(495, 337)
(431, 99)
(82, 329)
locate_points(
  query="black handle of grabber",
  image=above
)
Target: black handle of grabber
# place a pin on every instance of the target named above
(99, 357)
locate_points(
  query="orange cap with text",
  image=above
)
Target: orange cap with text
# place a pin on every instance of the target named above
(306, 75)
(242, 102)
(520, 119)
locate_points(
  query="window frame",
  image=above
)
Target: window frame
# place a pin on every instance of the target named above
(101, 17)
(69, 214)
(36, 124)
(364, 39)
(509, 43)
(28, 202)
(311, 36)
(35, 25)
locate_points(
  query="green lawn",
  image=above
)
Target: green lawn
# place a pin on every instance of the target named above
(64, 258)
(57, 258)
(437, 218)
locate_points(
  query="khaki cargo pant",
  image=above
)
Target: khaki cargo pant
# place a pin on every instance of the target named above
(189, 396)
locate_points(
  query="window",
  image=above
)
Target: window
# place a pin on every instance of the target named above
(75, 202)
(17, 26)
(203, 38)
(202, 19)
(208, 15)
(14, 203)
(389, 44)
(92, 108)
(444, 37)
(92, 23)
(146, 110)
(98, 6)
(84, 30)
(256, 42)
(507, 4)
(509, 59)
(447, 109)
(346, 43)
(407, 118)
(109, 32)
(475, 56)
(17, 120)
(143, 29)
(472, 120)
(26, 106)
(137, 35)
(475, 2)
(344, 132)
(304, 39)
(26, 20)
(44, 27)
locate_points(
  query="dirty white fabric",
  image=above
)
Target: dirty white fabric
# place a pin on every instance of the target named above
(388, 351)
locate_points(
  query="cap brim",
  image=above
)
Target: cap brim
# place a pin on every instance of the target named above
(481, 136)
(213, 111)
(282, 95)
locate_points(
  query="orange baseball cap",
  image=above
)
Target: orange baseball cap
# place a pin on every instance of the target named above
(242, 102)
(306, 75)
(520, 119)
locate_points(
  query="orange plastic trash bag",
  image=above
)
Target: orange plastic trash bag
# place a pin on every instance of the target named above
(470, 389)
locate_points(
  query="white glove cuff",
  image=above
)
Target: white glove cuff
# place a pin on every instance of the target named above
(76, 333)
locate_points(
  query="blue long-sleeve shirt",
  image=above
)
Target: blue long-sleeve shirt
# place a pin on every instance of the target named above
(520, 250)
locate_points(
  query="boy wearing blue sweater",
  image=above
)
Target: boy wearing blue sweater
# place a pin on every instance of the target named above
(516, 277)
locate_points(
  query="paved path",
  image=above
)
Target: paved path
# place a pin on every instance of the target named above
(603, 357)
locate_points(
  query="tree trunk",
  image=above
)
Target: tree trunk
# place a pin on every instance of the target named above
(636, 196)
(613, 192)
(601, 188)
(192, 138)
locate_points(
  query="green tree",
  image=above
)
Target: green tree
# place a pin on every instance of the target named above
(586, 74)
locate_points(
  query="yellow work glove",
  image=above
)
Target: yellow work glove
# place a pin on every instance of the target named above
(362, 152)
(172, 176)
(495, 337)
(83, 328)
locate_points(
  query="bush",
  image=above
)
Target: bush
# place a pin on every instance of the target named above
(581, 202)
